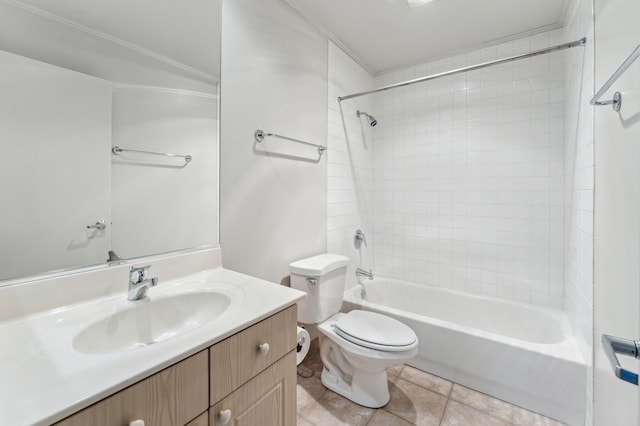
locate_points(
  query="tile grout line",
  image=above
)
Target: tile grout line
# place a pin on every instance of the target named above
(445, 408)
(375, 410)
(446, 403)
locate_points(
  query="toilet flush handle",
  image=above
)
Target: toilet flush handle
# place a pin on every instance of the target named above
(312, 281)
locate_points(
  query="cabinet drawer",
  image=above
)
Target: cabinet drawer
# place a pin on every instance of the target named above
(236, 360)
(172, 397)
(269, 399)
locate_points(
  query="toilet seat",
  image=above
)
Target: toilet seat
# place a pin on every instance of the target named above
(375, 331)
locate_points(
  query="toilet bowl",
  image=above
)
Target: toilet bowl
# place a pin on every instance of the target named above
(357, 347)
(355, 367)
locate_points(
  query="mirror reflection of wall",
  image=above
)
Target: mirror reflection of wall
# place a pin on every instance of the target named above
(78, 79)
(48, 114)
(162, 204)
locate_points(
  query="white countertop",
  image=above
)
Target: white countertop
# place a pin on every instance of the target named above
(43, 379)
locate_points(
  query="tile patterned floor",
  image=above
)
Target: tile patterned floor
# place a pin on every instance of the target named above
(417, 398)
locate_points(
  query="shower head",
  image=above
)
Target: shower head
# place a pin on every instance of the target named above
(370, 118)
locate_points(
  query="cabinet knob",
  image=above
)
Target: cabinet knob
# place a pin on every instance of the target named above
(264, 349)
(137, 423)
(225, 416)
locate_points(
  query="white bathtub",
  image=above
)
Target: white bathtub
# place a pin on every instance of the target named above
(518, 353)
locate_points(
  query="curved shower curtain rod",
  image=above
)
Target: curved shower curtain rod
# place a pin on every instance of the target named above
(576, 43)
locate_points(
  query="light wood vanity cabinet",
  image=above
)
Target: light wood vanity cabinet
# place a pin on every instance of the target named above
(267, 399)
(244, 381)
(257, 395)
(202, 420)
(240, 357)
(174, 396)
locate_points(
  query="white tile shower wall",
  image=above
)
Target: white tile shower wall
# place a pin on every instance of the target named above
(579, 164)
(350, 158)
(469, 175)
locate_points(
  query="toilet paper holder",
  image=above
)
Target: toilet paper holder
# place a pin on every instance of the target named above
(303, 342)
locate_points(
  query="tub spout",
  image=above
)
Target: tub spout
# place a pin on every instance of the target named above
(362, 273)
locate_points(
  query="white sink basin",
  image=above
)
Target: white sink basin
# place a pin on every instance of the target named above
(150, 321)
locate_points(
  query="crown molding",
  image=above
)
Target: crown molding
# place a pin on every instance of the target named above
(164, 90)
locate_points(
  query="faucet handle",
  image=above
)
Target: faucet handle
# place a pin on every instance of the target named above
(139, 284)
(358, 239)
(137, 275)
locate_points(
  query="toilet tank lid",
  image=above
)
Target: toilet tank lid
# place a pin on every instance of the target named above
(318, 265)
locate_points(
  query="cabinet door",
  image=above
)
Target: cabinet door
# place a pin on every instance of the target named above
(172, 397)
(268, 399)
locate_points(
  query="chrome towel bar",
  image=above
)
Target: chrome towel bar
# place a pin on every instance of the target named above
(616, 101)
(117, 150)
(261, 134)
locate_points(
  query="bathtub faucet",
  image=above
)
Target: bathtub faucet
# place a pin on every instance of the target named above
(362, 273)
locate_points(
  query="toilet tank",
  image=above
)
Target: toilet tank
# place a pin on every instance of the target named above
(323, 278)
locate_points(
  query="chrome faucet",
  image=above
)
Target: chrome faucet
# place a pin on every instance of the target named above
(362, 273)
(139, 284)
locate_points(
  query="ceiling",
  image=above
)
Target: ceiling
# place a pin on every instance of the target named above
(386, 34)
(380, 34)
(184, 31)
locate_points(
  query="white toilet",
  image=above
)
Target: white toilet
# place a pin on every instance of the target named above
(356, 348)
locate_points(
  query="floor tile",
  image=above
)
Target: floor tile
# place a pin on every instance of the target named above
(415, 404)
(426, 380)
(457, 414)
(482, 402)
(309, 390)
(385, 418)
(417, 398)
(333, 409)
(302, 422)
(522, 417)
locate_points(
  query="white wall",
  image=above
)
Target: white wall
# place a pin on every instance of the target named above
(470, 175)
(273, 195)
(162, 204)
(617, 209)
(55, 127)
(350, 163)
(579, 181)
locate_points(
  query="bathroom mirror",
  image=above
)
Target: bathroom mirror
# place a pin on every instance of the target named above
(80, 78)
